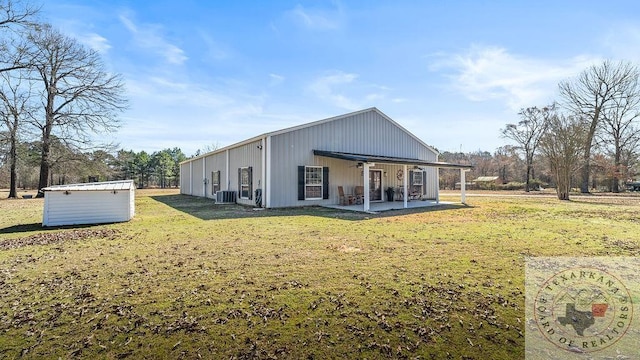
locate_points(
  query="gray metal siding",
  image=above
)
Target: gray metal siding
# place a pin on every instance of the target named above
(185, 178)
(197, 182)
(245, 156)
(364, 133)
(216, 162)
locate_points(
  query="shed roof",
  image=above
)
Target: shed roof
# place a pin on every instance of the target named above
(388, 159)
(94, 186)
(486, 178)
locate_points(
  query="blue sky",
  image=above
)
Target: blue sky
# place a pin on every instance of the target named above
(200, 73)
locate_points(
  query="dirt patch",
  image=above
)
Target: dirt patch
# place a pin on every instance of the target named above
(344, 248)
(58, 237)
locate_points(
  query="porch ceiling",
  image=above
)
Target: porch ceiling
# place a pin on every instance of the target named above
(365, 158)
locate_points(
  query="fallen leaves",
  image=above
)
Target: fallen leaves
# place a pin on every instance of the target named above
(58, 237)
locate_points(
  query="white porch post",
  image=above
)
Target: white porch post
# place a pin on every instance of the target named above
(365, 179)
(405, 186)
(463, 186)
(438, 185)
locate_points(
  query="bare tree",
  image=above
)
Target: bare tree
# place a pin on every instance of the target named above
(527, 134)
(15, 100)
(562, 144)
(593, 92)
(15, 17)
(618, 131)
(79, 97)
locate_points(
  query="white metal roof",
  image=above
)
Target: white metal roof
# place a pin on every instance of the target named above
(94, 186)
(313, 123)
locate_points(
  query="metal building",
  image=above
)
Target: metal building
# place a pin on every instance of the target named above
(304, 165)
(89, 203)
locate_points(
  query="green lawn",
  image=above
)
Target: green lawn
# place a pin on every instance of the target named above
(187, 279)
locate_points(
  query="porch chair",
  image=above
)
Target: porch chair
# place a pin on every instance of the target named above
(359, 194)
(415, 193)
(344, 199)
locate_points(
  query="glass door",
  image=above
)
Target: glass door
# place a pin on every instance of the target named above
(375, 185)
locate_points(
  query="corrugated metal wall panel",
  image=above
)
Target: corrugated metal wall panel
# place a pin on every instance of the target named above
(364, 133)
(432, 183)
(216, 162)
(197, 182)
(86, 207)
(245, 156)
(184, 179)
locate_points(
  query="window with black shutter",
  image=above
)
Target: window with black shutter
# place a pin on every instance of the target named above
(215, 182)
(313, 182)
(245, 182)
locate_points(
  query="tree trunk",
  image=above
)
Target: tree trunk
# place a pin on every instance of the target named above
(563, 186)
(586, 165)
(44, 160)
(13, 159)
(585, 174)
(616, 163)
(527, 185)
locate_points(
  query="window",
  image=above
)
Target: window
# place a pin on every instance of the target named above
(245, 182)
(313, 182)
(215, 182)
(417, 178)
(416, 182)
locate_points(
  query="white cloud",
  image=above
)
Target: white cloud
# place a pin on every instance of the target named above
(623, 41)
(325, 87)
(148, 36)
(492, 73)
(95, 42)
(318, 19)
(275, 79)
(215, 50)
(343, 90)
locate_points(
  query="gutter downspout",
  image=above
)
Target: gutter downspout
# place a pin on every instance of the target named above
(267, 188)
(263, 147)
(204, 177)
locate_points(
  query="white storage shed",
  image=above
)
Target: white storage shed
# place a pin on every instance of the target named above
(90, 203)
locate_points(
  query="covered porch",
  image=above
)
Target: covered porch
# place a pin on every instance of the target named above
(376, 207)
(366, 162)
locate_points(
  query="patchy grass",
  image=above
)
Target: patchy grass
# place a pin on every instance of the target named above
(187, 279)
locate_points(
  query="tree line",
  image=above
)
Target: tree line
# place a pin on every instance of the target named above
(158, 169)
(56, 95)
(588, 139)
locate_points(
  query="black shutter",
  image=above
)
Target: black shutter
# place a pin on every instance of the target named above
(424, 183)
(300, 182)
(410, 184)
(325, 182)
(239, 183)
(250, 171)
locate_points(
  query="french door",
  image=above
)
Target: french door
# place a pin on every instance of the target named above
(375, 185)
